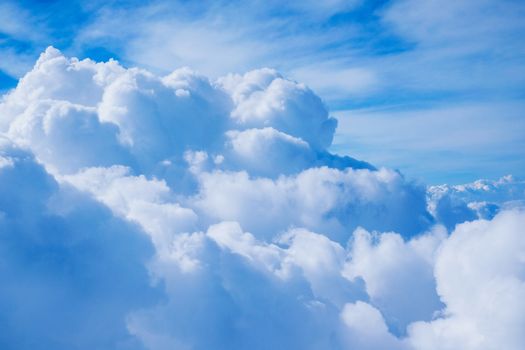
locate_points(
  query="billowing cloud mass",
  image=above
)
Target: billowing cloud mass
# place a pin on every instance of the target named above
(70, 270)
(175, 212)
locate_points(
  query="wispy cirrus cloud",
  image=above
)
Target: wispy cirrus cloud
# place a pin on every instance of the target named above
(460, 139)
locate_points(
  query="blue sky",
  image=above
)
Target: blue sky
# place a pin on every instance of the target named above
(447, 78)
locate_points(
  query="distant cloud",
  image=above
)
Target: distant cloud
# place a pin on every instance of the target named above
(480, 199)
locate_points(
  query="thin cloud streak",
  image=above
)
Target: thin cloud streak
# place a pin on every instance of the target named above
(451, 142)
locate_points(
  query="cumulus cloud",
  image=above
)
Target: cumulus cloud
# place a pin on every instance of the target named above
(325, 200)
(366, 328)
(398, 275)
(148, 211)
(480, 199)
(480, 276)
(71, 272)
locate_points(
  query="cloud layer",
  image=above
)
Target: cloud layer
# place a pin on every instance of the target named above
(173, 212)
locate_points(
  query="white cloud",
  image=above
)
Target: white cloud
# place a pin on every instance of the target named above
(504, 190)
(264, 99)
(279, 150)
(259, 237)
(70, 271)
(321, 199)
(398, 275)
(480, 276)
(453, 204)
(367, 329)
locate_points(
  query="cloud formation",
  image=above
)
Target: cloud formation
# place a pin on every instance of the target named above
(70, 270)
(175, 212)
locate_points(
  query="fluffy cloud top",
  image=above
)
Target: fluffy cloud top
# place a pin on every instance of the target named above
(174, 212)
(480, 273)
